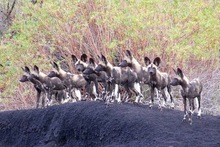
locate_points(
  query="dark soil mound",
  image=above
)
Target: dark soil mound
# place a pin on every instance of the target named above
(92, 124)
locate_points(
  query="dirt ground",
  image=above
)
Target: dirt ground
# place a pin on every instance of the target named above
(92, 124)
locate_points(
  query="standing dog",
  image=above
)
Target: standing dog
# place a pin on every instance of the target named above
(37, 85)
(96, 77)
(71, 81)
(142, 72)
(120, 76)
(51, 85)
(80, 65)
(158, 80)
(190, 90)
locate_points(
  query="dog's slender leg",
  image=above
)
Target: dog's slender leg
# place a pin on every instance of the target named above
(137, 87)
(38, 98)
(117, 95)
(199, 106)
(78, 94)
(191, 109)
(163, 91)
(43, 96)
(94, 92)
(152, 97)
(170, 96)
(185, 112)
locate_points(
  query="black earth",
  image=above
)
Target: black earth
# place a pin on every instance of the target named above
(92, 124)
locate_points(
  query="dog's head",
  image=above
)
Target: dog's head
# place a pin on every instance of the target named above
(152, 67)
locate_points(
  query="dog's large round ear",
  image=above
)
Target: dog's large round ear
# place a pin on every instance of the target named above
(175, 71)
(147, 61)
(157, 61)
(128, 53)
(74, 58)
(23, 69)
(55, 66)
(92, 62)
(84, 58)
(52, 63)
(103, 58)
(180, 73)
(36, 69)
(99, 57)
(26, 69)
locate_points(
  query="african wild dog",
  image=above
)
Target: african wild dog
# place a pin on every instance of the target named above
(71, 81)
(159, 80)
(112, 88)
(96, 76)
(80, 65)
(191, 90)
(51, 85)
(142, 75)
(120, 76)
(37, 85)
(142, 72)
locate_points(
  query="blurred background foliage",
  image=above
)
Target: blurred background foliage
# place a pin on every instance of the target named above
(184, 34)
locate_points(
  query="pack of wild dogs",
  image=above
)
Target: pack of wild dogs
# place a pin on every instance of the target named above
(128, 76)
